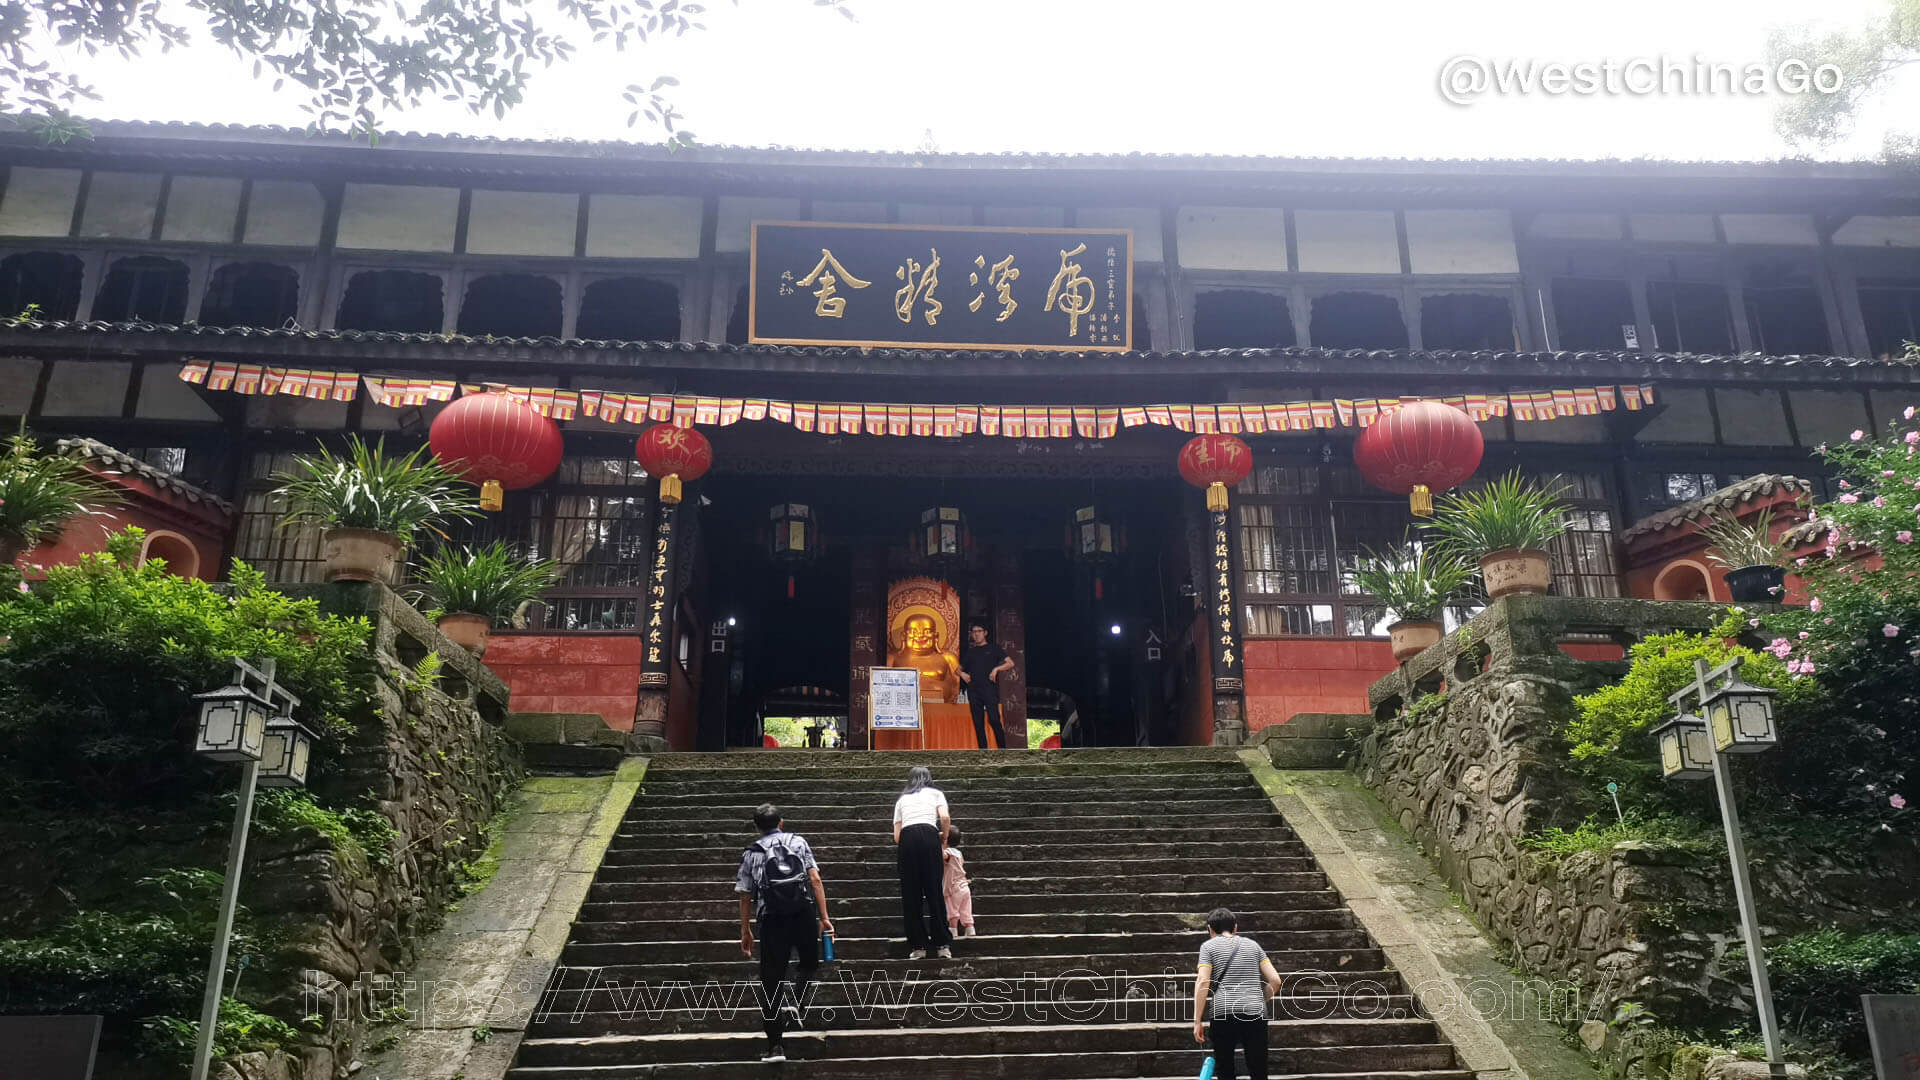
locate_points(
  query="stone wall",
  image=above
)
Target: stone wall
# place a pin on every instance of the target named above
(438, 762)
(1465, 752)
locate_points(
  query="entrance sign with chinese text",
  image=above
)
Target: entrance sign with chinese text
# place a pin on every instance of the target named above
(935, 286)
(895, 700)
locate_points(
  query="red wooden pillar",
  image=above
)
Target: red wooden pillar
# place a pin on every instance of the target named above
(1010, 630)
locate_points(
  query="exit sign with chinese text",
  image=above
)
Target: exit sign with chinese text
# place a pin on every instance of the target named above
(928, 286)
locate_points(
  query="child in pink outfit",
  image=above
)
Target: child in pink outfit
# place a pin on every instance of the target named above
(959, 891)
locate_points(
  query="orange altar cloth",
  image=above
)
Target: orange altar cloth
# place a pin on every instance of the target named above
(949, 727)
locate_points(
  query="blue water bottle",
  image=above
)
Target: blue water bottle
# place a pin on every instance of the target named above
(1206, 1070)
(826, 945)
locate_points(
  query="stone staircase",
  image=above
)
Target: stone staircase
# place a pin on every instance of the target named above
(1092, 870)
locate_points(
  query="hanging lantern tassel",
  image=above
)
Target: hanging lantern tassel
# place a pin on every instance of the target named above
(1216, 496)
(492, 495)
(789, 586)
(1099, 588)
(1421, 499)
(670, 489)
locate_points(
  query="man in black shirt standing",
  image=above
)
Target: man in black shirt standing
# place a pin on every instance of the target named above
(981, 665)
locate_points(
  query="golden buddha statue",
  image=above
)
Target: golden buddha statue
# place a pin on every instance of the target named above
(920, 650)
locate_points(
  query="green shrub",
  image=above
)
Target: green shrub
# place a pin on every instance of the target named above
(241, 1029)
(102, 659)
(1818, 979)
(1556, 845)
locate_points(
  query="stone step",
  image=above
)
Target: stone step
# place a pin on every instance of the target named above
(843, 984)
(1026, 1052)
(1389, 1038)
(1198, 881)
(1035, 849)
(896, 774)
(902, 760)
(1177, 1067)
(668, 785)
(626, 963)
(1278, 943)
(731, 1009)
(634, 922)
(1065, 815)
(983, 869)
(689, 834)
(720, 905)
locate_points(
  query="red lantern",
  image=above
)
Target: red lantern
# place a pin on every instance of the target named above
(497, 442)
(769, 742)
(1419, 448)
(675, 455)
(1215, 462)
(1051, 742)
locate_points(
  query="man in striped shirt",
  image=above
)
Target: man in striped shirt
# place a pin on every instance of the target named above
(1241, 979)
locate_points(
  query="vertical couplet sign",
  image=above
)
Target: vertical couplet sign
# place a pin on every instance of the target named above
(655, 671)
(1229, 662)
(894, 704)
(929, 286)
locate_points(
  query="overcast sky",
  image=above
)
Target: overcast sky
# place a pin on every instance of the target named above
(1189, 76)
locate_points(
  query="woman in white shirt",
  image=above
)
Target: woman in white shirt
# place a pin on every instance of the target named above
(920, 823)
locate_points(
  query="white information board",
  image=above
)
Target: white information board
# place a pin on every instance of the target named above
(895, 699)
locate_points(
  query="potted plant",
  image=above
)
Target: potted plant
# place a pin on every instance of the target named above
(1754, 561)
(1414, 583)
(1507, 526)
(475, 586)
(40, 493)
(370, 504)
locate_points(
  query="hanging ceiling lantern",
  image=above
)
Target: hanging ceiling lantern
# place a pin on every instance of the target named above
(1215, 462)
(943, 539)
(675, 455)
(1095, 541)
(497, 442)
(1418, 448)
(794, 536)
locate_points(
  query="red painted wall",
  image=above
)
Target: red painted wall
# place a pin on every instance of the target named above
(191, 537)
(570, 673)
(1310, 675)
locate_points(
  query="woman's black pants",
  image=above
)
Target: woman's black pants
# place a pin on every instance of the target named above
(923, 895)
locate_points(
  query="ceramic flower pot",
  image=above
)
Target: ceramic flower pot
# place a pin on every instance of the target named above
(470, 632)
(360, 555)
(1413, 637)
(1757, 584)
(1515, 570)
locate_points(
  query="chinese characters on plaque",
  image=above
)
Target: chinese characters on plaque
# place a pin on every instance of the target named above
(1228, 659)
(658, 624)
(954, 287)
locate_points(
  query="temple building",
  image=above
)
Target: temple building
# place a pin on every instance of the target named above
(948, 388)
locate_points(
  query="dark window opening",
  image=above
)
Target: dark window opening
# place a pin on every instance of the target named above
(404, 301)
(630, 309)
(1466, 321)
(1785, 314)
(44, 282)
(251, 294)
(1352, 320)
(1592, 313)
(737, 318)
(143, 288)
(1142, 334)
(1690, 317)
(1892, 314)
(1241, 319)
(511, 305)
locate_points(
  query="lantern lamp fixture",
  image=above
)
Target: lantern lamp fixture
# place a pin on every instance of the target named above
(286, 753)
(943, 537)
(1739, 720)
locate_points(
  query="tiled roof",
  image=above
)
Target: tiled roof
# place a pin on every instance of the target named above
(1716, 503)
(106, 459)
(242, 139)
(1541, 363)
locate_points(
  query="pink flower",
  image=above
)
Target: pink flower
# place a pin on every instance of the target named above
(1804, 635)
(1815, 606)
(1880, 501)
(1828, 620)
(1857, 435)
(1890, 630)
(1905, 536)
(1898, 802)
(1886, 473)
(1801, 561)
(1800, 667)
(1909, 413)
(1849, 498)
(1822, 448)
(1913, 437)
(1844, 486)
(1780, 647)
(1753, 622)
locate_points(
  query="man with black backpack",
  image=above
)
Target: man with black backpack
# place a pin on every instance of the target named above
(779, 886)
